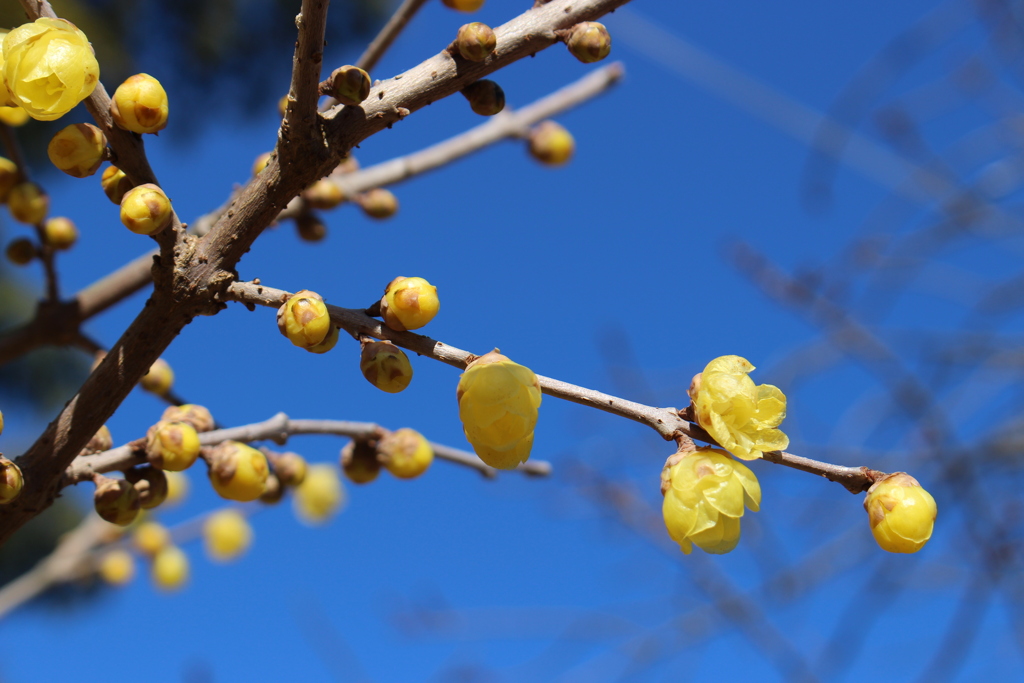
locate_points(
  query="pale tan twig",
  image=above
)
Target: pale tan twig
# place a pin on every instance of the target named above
(278, 429)
(668, 422)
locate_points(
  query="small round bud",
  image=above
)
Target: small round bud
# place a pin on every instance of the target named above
(385, 366)
(310, 227)
(359, 461)
(304, 319)
(150, 538)
(146, 210)
(28, 203)
(60, 233)
(100, 441)
(260, 163)
(21, 251)
(116, 501)
(328, 343)
(551, 144)
(350, 85)
(378, 203)
(464, 5)
(115, 184)
(177, 487)
(159, 379)
(140, 104)
(589, 42)
(323, 194)
(226, 535)
(13, 116)
(9, 177)
(409, 303)
(273, 491)
(196, 415)
(78, 149)
(117, 567)
(11, 480)
(485, 97)
(150, 483)
(238, 471)
(320, 495)
(172, 446)
(405, 453)
(902, 514)
(475, 41)
(170, 568)
(290, 468)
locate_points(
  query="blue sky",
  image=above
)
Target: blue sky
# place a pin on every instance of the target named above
(609, 273)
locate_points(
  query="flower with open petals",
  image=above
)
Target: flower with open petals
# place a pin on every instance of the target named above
(740, 416)
(901, 512)
(48, 67)
(705, 493)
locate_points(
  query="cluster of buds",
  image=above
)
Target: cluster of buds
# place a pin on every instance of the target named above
(409, 303)
(498, 404)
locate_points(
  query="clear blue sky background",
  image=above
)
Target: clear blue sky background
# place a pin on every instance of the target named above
(522, 579)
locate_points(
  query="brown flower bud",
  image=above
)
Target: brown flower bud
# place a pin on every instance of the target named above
(475, 41)
(150, 483)
(589, 42)
(485, 97)
(349, 85)
(359, 461)
(196, 415)
(116, 501)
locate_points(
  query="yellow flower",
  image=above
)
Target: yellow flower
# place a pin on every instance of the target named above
(48, 67)
(498, 402)
(740, 416)
(901, 512)
(227, 534)
(320, 495)
(705, 492)
(170, 568)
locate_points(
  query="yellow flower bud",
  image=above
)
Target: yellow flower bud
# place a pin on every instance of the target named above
(172, 446)
(705, 493)
(328, 343)
(150, 538)
(409, 303)
(140, 105)
(359, 461)
(485, 97)
(101, 441)
(378, 203)
(196, 415)
(320, 495)
(48, 67)
(13, 116)
(117, 567)
(78, 149)
(350, 85)
(116, 501)
(146, 210)
(304, 319)
(323, 194)
(238, 471)
(589, 42)
(21, 251)
(498, 402)
(273, 491)
(150, 483)
(9, 177)
(551, 144)
(464, 5)
(901, 513)
(159, 379)
(290, 468)
(226, 535)
(475, 42)
(260, 163)
(177, 487)
(385, 366)
(11, 480)
(740, 416)
(115, 184)
(28, 203)
(310, 227)
(60, 233)
(405, 453)
(170, 568)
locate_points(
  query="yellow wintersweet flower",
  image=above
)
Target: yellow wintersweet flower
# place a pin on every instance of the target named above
(901, 512)
(740, 416)
(498, 402)
(48, 67)
(705, 492)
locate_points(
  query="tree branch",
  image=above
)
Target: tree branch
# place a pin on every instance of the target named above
(300, 117)
(398, 21)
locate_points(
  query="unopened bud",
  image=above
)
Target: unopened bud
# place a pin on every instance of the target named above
(290, 468)
(170, 568)
(60, 233)
(475, 41)
(226, 535)
(140, 104)
(551, 144)
(323, 194)
(238, 471)
(464, 5)
(159, 379)
(310, 227)
(150, 483)
(196, 415)
(78, 149)
(146, 210)
(320, 495)
(9, 177)
(21, 251)
(117, 567)
(116, 501)
(589, 42)
(28, 203)
(405, 453)
(485, 97)
(260, 163)
(304, 319)
(378, 203)
(150, 538)
(385, 366)
(273, 491)
(328, 343)
(11, 480)
(115, 184)
(409, 303)
(100, 441)
(359, 461)
(350, 85)
(13, 116)
(172, 446)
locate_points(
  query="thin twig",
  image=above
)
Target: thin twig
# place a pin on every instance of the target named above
(300, 115)
(398, 21)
